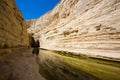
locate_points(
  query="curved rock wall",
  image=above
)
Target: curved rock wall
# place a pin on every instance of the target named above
(89, 27)
(13, 31)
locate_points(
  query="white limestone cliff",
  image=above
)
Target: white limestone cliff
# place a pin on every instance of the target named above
(90, 27)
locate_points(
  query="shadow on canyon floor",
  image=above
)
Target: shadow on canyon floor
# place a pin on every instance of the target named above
(18, 64)
(55, 66)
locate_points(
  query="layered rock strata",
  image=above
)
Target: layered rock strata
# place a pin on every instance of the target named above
(30, 22)
(90, 27)
(16, 61)
(12, 26)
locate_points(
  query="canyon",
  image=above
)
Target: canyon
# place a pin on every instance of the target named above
(16, 59)
(79, 39)
(87, 27)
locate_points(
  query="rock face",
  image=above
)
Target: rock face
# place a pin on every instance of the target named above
(30, 22)
(12, 26)
(16, 61)
(89, 27)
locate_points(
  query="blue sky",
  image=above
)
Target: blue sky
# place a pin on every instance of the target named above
(32, 9)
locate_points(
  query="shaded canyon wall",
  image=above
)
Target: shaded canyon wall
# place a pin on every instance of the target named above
(13, 31)
(89, 27)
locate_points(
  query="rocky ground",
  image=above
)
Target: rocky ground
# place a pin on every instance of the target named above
(18, 64)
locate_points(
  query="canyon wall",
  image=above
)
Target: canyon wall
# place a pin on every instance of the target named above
(16, 59)
(90, 27)
(31, 22)
(13, 32)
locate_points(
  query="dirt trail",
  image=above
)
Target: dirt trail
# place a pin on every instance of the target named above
(18, 64)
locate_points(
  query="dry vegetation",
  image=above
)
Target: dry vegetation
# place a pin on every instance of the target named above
(65, 33)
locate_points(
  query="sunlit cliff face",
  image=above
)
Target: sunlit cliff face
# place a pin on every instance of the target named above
(89, 27)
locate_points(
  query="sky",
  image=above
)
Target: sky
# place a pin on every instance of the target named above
(32, 9)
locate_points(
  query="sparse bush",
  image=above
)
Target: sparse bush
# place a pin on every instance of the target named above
(74, 31)
(47, 32)
(65, 33)
(5, 46)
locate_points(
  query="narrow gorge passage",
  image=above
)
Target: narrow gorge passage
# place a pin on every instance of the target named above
(55, 66)
(59, 39)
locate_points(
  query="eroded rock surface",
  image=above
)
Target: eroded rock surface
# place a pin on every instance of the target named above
(16, 63)
(30, 22)
(12, 26)
(89, 27)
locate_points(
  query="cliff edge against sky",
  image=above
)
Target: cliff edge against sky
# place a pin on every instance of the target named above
(12, 26)
(89, 27)
(16, 60)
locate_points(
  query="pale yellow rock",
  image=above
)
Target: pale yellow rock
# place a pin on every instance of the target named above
(89, 27)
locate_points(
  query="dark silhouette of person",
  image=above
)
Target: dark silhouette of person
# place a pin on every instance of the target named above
(36, 48)
(37, 43)
(34, 44)
(32, 41)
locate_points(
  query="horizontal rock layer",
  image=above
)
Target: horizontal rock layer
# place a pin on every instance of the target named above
(30, 22)
(13, 31)
(89, 27)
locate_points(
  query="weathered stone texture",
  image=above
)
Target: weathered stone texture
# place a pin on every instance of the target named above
(30, 23)
(89, 27)
(12, 26)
